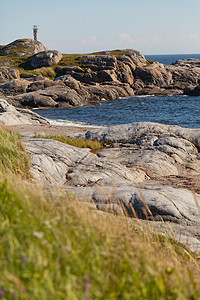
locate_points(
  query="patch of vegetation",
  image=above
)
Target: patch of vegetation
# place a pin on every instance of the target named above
(115, 53)
(13, 157)
(94, 145)
(150, 61)
(54, 247)
(68, 60)
(48, 72)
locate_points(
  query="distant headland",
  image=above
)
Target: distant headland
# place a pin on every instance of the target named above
(33, 76)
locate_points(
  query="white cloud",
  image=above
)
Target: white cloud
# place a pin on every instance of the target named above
(94, 41)
(194, 37)
(157, 39)
(126, 37)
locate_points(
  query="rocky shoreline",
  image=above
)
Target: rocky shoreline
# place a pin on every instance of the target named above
(147, 171)
(87, 79)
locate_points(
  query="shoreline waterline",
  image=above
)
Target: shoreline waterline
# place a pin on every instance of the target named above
(178, 110)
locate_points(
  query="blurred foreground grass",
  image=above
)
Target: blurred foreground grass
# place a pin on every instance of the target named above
(13, 157)
(53, 247)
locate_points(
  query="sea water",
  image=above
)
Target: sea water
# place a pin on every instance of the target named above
(176, 110)
(170, 58)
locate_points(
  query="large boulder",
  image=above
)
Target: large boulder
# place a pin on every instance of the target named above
(59, 96)
(155, 74)
(124, 73)
(45, 59)
(183, 76)
(136, 57)
(23, 47)
(15, 86)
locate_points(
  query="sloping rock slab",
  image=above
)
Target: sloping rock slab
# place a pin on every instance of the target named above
(60, 164)
(9, 115)
(146, 201)
(162, 150)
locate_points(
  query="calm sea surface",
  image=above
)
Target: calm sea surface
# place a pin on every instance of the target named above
(170, 58)
(176, 110)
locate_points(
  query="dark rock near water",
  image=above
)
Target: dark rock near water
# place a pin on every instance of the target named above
(155, 74)
(189, 63)
(192, 91)
(184, 76)
(53, 96)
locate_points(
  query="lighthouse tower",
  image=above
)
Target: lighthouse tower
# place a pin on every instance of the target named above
(35, 31)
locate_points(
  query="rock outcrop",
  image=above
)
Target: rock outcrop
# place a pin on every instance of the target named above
(7, 73)
(106, 75)
(22, 47)
(192, 91)
(113, 182)
(107, 183)
(9, 115)
(161, 150)
(61, 164)
(53, 96)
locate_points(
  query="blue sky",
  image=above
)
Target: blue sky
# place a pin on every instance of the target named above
(83, 26)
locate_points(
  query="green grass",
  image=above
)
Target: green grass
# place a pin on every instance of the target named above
(26, 70)
(68, 60)
(53, 247)
(150, 62)
(13, 157)
(94, 145)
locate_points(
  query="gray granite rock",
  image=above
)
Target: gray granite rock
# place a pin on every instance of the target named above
(113, 185)
(7, 73)
(9, 115)
(23, 47)
(61, 164)
(146, 201)
(56, 95)
(45, 58)
(159, 149)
